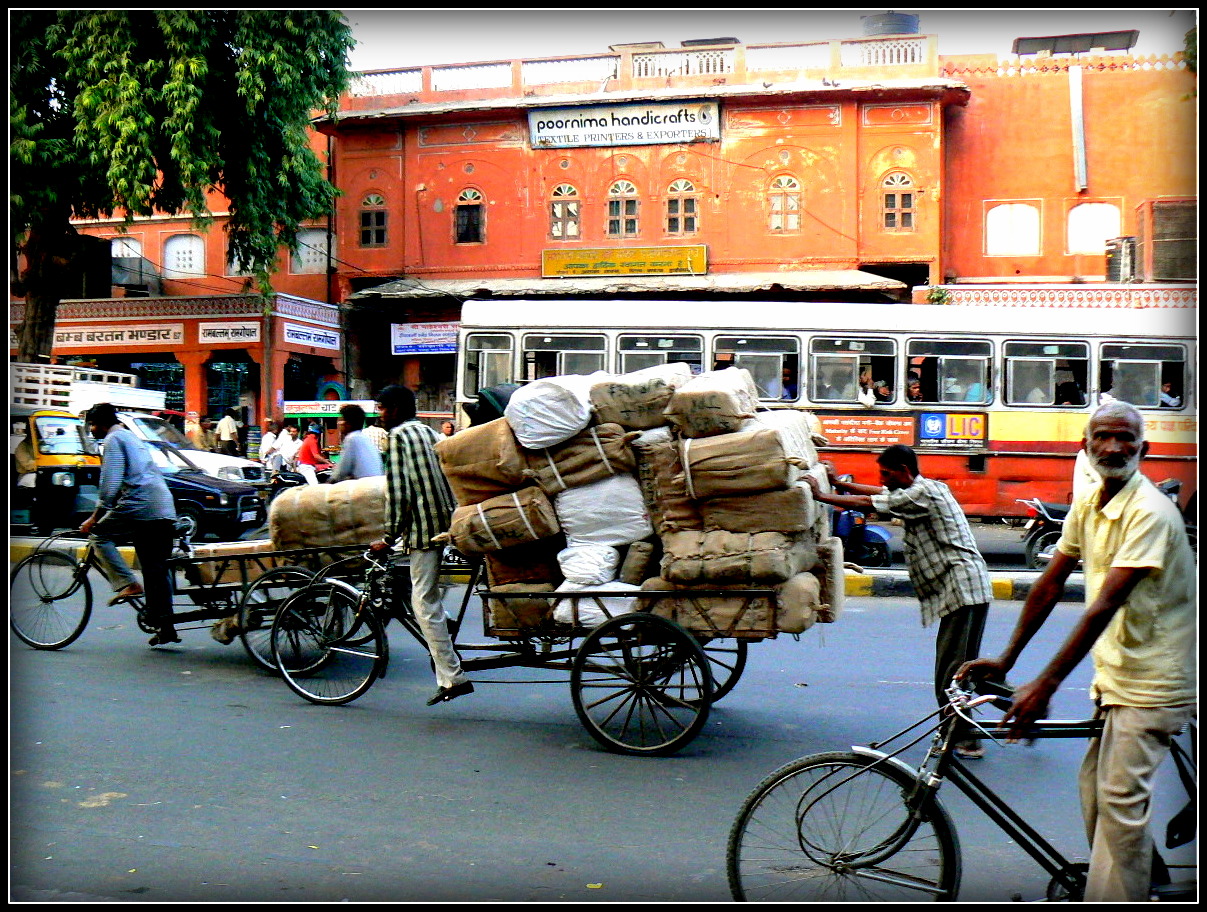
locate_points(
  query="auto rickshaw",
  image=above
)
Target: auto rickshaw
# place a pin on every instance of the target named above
(55, 468)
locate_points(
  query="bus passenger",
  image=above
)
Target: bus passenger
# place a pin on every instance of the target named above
(1168, 399)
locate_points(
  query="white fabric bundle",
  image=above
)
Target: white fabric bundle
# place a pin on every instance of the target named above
(607, 512)
(593, 610)
(714, 402)
(547, 412)
(588, 564)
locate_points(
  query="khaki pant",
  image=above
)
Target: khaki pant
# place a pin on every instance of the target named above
(429, 612)
(1115, 783)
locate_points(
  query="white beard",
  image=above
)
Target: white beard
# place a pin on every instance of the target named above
(1120, 473)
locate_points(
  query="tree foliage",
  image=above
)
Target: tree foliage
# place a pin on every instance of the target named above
(128, 113)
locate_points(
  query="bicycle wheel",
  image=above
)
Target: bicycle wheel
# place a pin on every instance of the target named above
(327, 647)
(833, 827)
(259, 605)
(49, 605)
(641, 685)
(726, 661)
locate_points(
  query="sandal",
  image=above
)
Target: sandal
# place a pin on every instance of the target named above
(164, 638)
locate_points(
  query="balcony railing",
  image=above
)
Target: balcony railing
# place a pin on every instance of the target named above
(899, 55)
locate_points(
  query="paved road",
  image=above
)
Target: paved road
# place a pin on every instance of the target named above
(144, 775)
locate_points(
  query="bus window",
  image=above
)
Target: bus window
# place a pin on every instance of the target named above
(774, 363)
(555, 355)
(852, 370)
(1148, 376)
(1046, 373)
(487, 361)
(638, 352)
(950, 372)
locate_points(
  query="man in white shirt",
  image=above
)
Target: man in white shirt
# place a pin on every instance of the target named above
(228, 434)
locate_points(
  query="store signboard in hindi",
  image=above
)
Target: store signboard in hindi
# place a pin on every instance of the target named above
(423, 338)
(311, 336)
(238, 331)
(153, 335)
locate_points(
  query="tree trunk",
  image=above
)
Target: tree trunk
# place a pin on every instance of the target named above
(49, 249)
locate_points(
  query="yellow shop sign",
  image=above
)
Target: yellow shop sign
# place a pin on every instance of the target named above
(691, 260)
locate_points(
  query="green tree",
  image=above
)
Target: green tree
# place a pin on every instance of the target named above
(136, 113)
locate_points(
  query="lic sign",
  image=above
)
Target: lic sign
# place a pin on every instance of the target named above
(953, 429)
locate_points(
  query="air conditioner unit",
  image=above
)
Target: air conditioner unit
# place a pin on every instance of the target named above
(1121, 259)
(1167, 240)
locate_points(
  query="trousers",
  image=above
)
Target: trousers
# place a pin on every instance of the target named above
(152, 540)
(429, 613)
(1115, 785)
(958, 641)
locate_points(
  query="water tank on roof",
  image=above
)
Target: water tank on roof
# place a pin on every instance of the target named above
(889, 23)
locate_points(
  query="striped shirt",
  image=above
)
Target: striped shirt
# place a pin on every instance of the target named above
(130, 484)
(419, 502)
(945, 567)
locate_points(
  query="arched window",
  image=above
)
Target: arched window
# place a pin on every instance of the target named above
(564, 214)
(373, 221)
(898, 199)
(125, 248)
(1012, 229)
(312, 252)
(784, 204)
(183, 256)
(682, 208)
(623, 207)
(1091, 225)
(470, 224)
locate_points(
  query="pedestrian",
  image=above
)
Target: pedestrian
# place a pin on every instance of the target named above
(1139, 626)
(133, 504)
(447, 428)
(310, 459)
(358, 455)
(377, 434)
(228, 434)
(946, 570)
(270, 455)
(288, 445)
(419, 506)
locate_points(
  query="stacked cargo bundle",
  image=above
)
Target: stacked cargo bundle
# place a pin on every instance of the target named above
(654, 480)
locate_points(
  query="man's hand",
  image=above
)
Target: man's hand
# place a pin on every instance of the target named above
(983, 670)
(86, 525)
(1030, 703)
(380, 545)
(831, 472)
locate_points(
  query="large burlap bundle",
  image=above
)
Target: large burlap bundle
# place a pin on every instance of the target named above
(547, 412)
(735, 558)
(639, 399)
(590, 455)
(482, 462)
(792, 509)
(660, 475)
(744, 462)
(607, 512)
(712, 615)
(504, 521)
(821, 523)
(795, 428)
(638, 563)
(534, 562)
(325, 516)
(714, 402)
(833, 579)
(516, 614)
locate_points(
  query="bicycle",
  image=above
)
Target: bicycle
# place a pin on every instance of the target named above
(864, 825)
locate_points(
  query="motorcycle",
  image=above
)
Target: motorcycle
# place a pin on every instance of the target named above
(283, 480)
(1043, 529)
(863, 543)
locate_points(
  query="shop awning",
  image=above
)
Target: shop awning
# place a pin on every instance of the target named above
(835, 280)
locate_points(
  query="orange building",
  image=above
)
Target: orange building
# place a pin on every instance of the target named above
(868, 169)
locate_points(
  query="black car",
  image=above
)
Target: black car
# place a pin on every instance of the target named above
(212, 505)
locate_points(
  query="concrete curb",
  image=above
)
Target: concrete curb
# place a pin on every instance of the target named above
(1007, 586)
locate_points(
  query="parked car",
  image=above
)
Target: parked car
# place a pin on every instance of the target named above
(211, 505)
(233, 468)
(54, 467)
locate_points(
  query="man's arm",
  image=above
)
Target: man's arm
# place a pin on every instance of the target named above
(846, 501)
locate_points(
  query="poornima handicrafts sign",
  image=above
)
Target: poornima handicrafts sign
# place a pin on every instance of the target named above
(625, 125)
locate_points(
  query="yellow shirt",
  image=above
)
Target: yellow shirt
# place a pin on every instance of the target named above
(1146, 655)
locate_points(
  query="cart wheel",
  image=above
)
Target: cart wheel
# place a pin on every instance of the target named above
(641, 685)
(726, 661)
(327, 643)
(258, 607)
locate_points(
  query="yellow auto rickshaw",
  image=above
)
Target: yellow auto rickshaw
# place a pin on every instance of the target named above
(55, 468)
